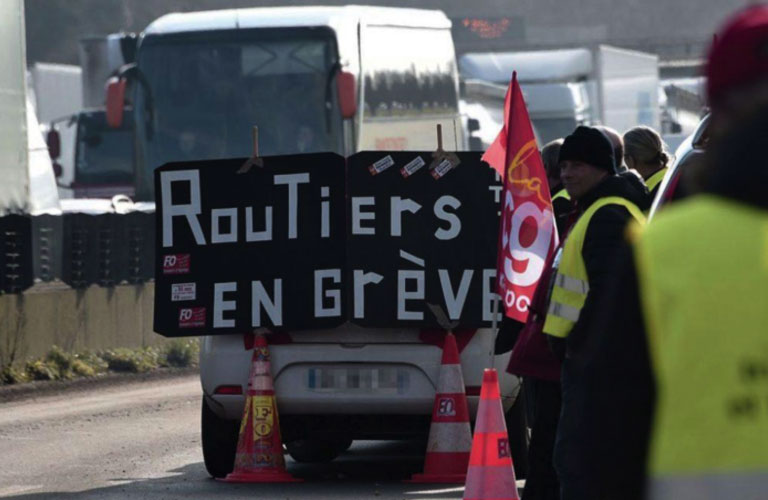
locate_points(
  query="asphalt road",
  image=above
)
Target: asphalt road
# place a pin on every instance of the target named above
(141, 440)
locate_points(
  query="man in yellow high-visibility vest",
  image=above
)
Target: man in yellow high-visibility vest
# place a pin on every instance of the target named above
(606, 202)
(678, 360)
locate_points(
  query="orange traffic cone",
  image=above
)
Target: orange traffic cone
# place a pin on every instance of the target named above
(450, 437)
(490, 473)
(259, 456)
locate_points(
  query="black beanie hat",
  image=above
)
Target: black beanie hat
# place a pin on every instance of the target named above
(588, 145)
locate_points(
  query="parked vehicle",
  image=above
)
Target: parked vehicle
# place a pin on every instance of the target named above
(340, 79)
(675, 184)
(91, 159)
(570, 87)
(28, 185)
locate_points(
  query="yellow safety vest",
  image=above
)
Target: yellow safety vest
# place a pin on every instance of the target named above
(703, 274)
(562, 194)
(655, 179)
(571, 281)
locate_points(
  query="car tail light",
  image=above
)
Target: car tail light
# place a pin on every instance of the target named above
(229, 390)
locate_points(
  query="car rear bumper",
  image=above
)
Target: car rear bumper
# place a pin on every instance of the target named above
(344, 380)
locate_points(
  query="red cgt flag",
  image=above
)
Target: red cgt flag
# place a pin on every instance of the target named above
(527, 235)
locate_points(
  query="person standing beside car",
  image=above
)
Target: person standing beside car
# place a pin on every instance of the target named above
(561, 200)
(646, 153)
(606, 202)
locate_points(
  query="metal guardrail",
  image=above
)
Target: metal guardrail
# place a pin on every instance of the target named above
(78, 249)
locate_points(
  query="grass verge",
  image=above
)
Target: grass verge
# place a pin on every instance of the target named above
(61, 365)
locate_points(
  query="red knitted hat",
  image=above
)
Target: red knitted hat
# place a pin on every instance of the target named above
(739, 54)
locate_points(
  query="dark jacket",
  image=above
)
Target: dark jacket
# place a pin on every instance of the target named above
(620, 404)
(563, 209)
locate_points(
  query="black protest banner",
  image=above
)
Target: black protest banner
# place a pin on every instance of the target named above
(421, 236)
(238, 251)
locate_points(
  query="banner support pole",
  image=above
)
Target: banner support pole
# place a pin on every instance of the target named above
(494, 328)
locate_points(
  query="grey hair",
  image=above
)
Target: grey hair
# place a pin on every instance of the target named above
(646, 146)
(549, 156)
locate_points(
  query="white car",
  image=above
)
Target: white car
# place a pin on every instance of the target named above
(338, 385)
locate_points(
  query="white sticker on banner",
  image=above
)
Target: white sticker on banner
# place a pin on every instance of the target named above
(441, 169)
(412, 166)
(381, 165)
(183, 291)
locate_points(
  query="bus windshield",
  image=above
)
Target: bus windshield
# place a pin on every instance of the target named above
(204, 93)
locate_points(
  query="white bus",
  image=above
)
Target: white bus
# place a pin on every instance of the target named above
(313, 79)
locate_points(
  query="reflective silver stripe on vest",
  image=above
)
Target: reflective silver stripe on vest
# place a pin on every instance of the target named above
(741, 485)
(564, 311)
(572, 284)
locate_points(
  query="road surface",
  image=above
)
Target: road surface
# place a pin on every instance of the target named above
(141, 440)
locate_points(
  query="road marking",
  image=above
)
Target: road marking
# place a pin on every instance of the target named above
(15, 490)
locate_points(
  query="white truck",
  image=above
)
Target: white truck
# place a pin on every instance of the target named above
(565, 88)
(313, 79)
(91, 159)
(28, 184)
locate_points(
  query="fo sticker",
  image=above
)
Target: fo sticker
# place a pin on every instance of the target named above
(183, 291)
(192, 317)
(263, 417)
(176, 264)
(446, 407)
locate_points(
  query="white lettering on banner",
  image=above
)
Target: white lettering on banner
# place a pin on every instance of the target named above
(496, 192)
(520, 302)
(325, 212)
(455, 223)
(260, 299)
(266, 234)
(402, 295)
(535, 254)
(334, 295)
(398, 206)
(216, 235)
(220, 305)
(361, 279)
(489, 295)
(411, 258)
(455, 302)
(189, 210)
(358, 215)
(293, 181)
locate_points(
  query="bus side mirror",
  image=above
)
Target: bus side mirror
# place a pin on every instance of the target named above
(58, 171)
(115, 101)
(53, 140)
(345, 84)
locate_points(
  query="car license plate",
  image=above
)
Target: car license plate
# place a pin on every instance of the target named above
(368, 380)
